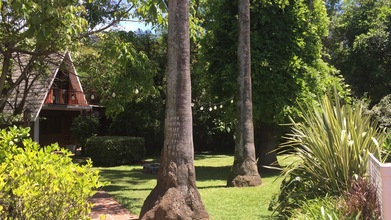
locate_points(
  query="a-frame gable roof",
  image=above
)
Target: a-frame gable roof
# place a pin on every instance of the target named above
(39, 83)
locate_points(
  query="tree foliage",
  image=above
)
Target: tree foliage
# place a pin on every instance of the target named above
(287, 63)
(29, 32)
(381, 112)
(360, 47)
(116, 69)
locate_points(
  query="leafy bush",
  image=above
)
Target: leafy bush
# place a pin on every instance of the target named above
(84, 127)
(42, 183)
(142, 118)
(382, 112)
(7, 120)
(333, 142)
(115, 150)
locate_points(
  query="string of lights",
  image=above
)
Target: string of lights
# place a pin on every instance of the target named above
(212, 106)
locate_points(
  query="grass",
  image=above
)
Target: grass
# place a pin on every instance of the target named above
(129, 186)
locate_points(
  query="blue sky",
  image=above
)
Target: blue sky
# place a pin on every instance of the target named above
(133, 26)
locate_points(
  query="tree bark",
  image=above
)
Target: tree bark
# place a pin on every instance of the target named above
(245, 171)
(176, 196)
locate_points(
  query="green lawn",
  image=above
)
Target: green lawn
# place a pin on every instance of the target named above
(130, 187)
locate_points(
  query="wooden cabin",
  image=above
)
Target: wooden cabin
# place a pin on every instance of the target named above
(53, 102)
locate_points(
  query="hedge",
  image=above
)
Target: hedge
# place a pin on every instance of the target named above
(115, 150)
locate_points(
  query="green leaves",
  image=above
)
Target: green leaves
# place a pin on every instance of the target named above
(360, 47)
(118, 69)
(42, 183)
(333, 141)
(286, 45)
(84, 127)
(153, 12)
(48, 24)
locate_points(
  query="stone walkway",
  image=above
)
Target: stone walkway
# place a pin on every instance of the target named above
(105, 207)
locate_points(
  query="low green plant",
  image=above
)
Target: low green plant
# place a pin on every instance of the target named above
(115, 150)
(42, 182)
(327, 208)
(332, 141)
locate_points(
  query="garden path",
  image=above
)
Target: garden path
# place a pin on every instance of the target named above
(105, 207)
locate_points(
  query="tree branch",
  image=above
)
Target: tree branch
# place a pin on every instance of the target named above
(112, 23)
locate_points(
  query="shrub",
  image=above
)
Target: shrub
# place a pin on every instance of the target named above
(333, 142)
(115, 150)
(84, 127)
(38, 183)
(142, 118)
(382, 112)
(11, 141)
(358, 202)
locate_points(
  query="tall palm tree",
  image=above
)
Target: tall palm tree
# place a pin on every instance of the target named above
(175, 195)
(245, 171)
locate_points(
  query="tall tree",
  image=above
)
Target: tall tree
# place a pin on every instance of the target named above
(175, 195)
(245, 171)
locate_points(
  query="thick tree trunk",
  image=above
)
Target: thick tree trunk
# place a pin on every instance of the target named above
(266, 143)
(244, 172)
(175, 195)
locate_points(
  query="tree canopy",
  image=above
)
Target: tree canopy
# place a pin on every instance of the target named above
(286, 48)
(360, 47)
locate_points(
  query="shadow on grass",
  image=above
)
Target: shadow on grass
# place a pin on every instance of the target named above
(268, 217)
(206, 155)
(133, 177)
(269, 173)
(122, 179)
(131, 204)
(127, 202)
(206, 173)
(116, 188)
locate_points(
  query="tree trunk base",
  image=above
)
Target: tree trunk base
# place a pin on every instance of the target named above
(244, 181)
(175, 203)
